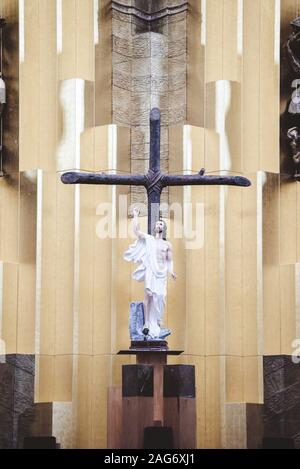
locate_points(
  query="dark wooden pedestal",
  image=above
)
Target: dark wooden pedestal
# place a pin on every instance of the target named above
(153, 396)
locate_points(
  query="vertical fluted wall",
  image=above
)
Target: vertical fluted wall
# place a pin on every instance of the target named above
(65, 292)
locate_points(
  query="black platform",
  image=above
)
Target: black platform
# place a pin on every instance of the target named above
(134, 351)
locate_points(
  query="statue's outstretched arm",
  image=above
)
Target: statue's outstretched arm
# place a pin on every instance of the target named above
(136, 226)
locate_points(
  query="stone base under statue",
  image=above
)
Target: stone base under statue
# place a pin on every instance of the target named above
(136, 324)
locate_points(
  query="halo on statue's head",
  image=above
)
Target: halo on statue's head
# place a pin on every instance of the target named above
(164, 236)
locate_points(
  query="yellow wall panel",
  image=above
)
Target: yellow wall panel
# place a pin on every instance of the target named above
(288, 223)
(271, 277)
(251, 267)
(48, 85)
(298, 223)
(94, 302)
(260, 80)
(121, 296)
(102, 286)
(231, 64)
(233, 273)
(83, 402)
(103, 66)
(38, 66)
(101, 382)
(213, 41)
(77, 54)
(195, 65)
(195, 297)
(95, 252)
(221, 54)
(214, 292)
(195, 251)
(87, 148)
(251, 86)
(269, 89)
(234, 379)
(85, 38)
(45, 373)
(176, 295)
(253, 379)
(287, 308)
(56, 325)
(48, 266)
(272, 332)
(27, 270)
(64, 277)
(122, 290)
(233, 127)
(9, 217)
(26, 309)
(176, 298)
(271, 216)
(63, 368)
(86, 275)
(213, 390)
(10, 306)
(29, 77)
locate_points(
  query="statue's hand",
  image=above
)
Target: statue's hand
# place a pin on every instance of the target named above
(174, 276)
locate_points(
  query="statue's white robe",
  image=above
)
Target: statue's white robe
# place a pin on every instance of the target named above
(143, 252)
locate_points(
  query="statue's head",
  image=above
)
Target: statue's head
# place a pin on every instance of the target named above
(161, 227)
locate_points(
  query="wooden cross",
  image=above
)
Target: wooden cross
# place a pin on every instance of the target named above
(154, 181)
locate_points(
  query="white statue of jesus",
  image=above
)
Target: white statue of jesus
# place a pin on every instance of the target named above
(154, 256)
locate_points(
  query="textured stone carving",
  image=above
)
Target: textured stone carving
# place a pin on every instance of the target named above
(282, 398)
(16, 395)
(150, 11)
(20, 417)
(149, 66)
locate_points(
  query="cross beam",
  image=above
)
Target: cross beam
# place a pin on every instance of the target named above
(154, 180)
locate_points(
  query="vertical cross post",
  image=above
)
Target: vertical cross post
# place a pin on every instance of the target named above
(154, 189)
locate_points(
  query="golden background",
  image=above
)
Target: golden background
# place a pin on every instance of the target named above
(65, 293)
